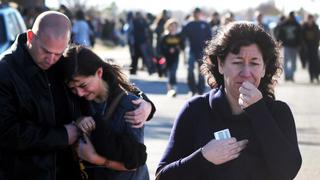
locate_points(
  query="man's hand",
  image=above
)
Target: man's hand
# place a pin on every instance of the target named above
(72, 133)
(249, 94)
(138, 116)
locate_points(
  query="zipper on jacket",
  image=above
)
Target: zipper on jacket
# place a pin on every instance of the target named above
(54, 118)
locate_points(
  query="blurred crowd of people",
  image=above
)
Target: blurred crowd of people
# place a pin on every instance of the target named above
(148, 40)
(160, 39)
(299, 39)
(86, 26)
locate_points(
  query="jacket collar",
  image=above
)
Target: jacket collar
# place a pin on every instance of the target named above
(218, 102)
(23, 57)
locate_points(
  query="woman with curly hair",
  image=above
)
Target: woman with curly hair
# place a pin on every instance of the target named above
(237, 130)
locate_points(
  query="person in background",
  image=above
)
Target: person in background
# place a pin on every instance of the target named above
(291, 39)
(259, 21)
(228, 18)
(241, 66)
(63, 9)
(215, 23)
(81, 30)
(160, 27)
(310, 43)
(170, 46)
(141, 44)
(197, 32)
(92, 37)
(276, 30)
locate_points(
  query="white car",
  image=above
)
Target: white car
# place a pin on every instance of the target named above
(11, 24)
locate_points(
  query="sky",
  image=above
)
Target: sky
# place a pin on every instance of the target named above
(156, 6)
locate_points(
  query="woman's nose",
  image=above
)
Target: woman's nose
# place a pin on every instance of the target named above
(245, 71)
(80, 92)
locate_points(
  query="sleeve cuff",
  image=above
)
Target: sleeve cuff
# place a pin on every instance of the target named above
(196, 159)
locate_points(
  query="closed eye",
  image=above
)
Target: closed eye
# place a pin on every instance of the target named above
(237, 62)
(83, 85)
(255, 63)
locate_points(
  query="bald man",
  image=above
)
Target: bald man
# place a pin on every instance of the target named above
(35, 118)
(48, 38)
(36, 110)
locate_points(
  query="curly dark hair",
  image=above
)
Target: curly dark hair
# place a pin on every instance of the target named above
(229, 40)
(79, 60)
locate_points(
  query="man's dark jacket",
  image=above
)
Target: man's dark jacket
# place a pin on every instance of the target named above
(32, 137)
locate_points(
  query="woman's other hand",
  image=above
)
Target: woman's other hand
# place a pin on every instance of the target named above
(86, 124)
(86, 151)
(221, 151)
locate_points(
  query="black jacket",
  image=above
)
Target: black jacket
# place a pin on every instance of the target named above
(31, 136)
(290, 33)
(271, 154)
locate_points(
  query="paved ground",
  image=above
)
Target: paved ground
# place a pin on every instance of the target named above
(302, 97)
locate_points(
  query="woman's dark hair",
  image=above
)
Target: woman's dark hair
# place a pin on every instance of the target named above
(229, 40)
(79, 60)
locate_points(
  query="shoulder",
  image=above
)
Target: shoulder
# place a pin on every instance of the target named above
(279, 109)
(199, 99)
(7, 55)
(278, 106)
(196, 105)
(6, 65)
(15, 56)
(190, 24)
(204, 22)
(126, 101)
(192, 116)
(4, 62)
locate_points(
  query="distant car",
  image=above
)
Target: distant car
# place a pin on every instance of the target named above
(11, 24)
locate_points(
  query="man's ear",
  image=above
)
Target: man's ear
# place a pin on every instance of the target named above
(220, 66)
(30, 36)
